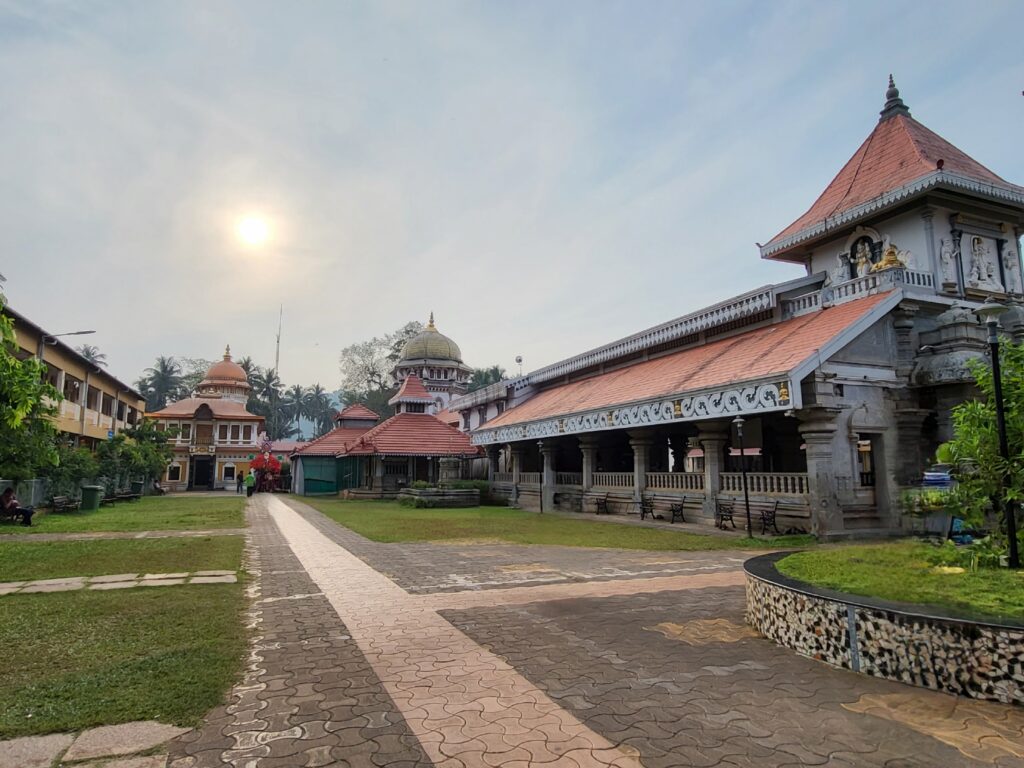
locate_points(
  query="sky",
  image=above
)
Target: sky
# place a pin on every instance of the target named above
(545, 177)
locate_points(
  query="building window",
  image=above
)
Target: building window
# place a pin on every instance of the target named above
(247, 433)
(234, 431)
(501, 407)
(121, 410)
(108, 405)
(229, 471)
(222, 432)
(72, 388)
(186, 431)
(92, 399)
(174, 473)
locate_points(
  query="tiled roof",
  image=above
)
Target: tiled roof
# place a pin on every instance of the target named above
(222, 409)
(332, 442)
(412, 391)
(448, 417)
(898, 151)
(286, 446)
(412, 434)
(356, 411)
(754, 355)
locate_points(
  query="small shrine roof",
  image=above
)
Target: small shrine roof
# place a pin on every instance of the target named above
(412, 434)
(222, 408)
(412, 391)
(356, 411)
(332, 442)
(755, 355)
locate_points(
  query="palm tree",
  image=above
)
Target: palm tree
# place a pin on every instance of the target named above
(483, 377)
(267, 388)
(296, 401)
(92, 354)
(321, 409)
(161, 382)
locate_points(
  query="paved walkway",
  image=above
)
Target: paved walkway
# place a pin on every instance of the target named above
(117, 581)
(620, 658)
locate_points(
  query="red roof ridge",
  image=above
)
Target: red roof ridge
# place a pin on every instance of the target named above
(412, 390)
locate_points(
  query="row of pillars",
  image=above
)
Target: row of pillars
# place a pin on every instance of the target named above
(817, 428)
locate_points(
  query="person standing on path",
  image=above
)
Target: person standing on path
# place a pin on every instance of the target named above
(239, 482)
(250, 483)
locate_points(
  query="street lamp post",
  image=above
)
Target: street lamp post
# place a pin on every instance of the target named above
(738, 423)
(45, 336)
(990, 312)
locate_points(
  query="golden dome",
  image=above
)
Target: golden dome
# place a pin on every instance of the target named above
(226, 372)
(431, 344)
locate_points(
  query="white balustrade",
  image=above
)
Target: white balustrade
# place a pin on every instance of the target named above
(568, 478)
(766, 483)
(676, 481)
(503, 477)
(529, 478)
(613, 479)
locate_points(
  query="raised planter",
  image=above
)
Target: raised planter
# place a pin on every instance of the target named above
(913, 644)
(439, 497)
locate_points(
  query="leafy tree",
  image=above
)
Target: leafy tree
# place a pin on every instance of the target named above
(148, 449)
(193, 371)
(366, 368)
(974, 451)
(484, 377)
(73, 467)
(93, 354)
(27, 436)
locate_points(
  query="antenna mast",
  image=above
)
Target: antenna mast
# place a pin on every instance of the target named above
(277, 350)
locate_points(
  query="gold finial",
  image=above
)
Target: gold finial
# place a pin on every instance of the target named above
(430, 325)
(227, 351)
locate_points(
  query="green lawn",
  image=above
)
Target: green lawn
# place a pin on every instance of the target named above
(902, 571)
(389, 522)
(23, 559)
(149, 514)
(80, 659)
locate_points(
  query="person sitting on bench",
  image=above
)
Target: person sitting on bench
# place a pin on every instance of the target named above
(11, 506)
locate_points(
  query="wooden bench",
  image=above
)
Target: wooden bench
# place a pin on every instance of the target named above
(678, 509)
(64, 504)
(126, 495)
(647, 508)
(724, 511)
(601, 505)
(765, 510)
(109, 498)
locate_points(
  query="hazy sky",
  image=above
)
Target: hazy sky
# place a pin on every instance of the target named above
(544, 176)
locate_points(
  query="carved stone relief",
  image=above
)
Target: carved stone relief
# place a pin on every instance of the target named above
(982, 270)
(947, 263)
(1011, 269)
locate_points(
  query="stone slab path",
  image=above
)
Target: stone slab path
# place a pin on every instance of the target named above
(117, 581)
(367, 655)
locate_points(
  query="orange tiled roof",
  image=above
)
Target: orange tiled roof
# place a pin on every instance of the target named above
(412, 390)
(412, 434)
(222, 409)
(331, 443)
(757, 354)
(356, 411)
(898, 151)
(448, 417)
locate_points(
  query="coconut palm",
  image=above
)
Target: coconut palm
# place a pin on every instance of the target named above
(296, 404)
(161, 382)
(93, 354)
(321, 409)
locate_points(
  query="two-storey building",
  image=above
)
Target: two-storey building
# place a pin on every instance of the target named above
(216, 436)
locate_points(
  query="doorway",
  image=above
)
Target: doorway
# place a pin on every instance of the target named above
(200, 476)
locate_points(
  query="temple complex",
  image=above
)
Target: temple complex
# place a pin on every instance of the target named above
(832, 390)
(216, 435)
(436, 361)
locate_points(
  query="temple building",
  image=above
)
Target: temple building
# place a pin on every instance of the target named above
(365, 459)
(843, 380)
(216, 435)
(436, 361)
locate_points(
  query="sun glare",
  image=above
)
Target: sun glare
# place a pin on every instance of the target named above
(253, 230)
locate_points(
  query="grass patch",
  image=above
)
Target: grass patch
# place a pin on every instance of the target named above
(23, 560)
(902, 571)
(389, 522)
(80, 659)
(152, 513)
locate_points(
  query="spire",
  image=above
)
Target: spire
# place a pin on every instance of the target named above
(893, 103)
(227, 351)
(430, 325)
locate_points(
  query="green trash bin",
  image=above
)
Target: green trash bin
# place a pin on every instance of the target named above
(137, 486)
(91, 495)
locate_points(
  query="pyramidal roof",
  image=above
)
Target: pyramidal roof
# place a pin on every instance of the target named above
(900, 158)
(412, 434)
(357, 411)
(412, 391)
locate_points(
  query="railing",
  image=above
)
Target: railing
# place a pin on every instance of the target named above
(766, 483)
(70, 410)
(529, 478)
(801, 305)
(202, 441)
(503, 477)
(676, 481)
(883, 280)
(613, 479)
(919, 279)
(568, 478)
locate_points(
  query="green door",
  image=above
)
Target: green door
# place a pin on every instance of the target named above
(350, 473)
(318, 475)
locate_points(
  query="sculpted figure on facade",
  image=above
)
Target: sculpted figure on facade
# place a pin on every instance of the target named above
(1010, 270)
(841, 271)
(947, 260)
(983, 270)
(863, 259)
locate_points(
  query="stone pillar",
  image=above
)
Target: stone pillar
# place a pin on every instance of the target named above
(818, 428)
(906, 348)
(492, 462)
(517, 468)
(547, 477)
(911, 460)
(640, 441)
(378, 472)
(712, 436)
(588, 447)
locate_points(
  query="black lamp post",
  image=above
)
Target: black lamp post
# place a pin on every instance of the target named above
(738, 423)
(990, 312)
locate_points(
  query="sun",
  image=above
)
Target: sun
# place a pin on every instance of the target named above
(253, 230)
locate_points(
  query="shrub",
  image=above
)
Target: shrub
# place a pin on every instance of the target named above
(420, 485)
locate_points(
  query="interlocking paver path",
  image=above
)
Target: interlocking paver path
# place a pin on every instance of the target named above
(373, 655)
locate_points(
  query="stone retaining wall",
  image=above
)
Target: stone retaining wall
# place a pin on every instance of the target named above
(978, 659)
